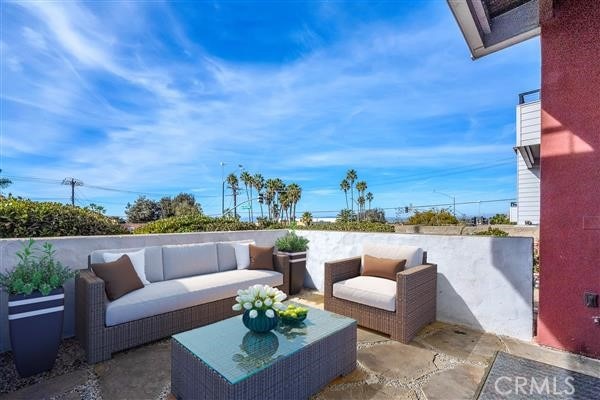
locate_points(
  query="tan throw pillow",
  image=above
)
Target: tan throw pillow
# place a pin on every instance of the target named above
(119, 277)
(382, 267)
(261, 257)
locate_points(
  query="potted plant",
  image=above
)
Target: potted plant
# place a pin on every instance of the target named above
(294, 247)
(35, 307)
(259, 303)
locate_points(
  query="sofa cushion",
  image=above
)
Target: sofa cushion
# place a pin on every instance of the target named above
(226, 254)
(261, 257)
(153, 260)
(180, 261)
(242, 254)
(119, 277)
(137, 260)
(412, 254)
(176, 294)
(382, 267)
(368, 290)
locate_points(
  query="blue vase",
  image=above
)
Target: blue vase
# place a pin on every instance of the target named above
(260, 324)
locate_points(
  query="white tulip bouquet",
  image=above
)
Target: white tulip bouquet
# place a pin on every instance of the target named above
(260, 298)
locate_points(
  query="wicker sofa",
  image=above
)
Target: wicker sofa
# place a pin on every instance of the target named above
(171, 303)
(399, 309)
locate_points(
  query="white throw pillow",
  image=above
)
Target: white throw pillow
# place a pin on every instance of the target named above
(138, 259)
(242, 254)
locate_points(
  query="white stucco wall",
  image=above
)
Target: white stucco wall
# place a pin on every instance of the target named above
(73, 252)
(483, 282)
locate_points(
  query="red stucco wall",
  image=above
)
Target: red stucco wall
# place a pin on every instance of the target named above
(570, 176)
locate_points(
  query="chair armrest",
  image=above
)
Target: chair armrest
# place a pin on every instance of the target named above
(90, 304)
(340, 270)
(416, 287)
(281, 262)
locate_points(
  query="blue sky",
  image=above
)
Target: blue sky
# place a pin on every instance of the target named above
(151, 96)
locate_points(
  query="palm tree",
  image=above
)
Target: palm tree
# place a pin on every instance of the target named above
(369, 199)
(272, 186)
(351, 177)
(345, 186)
(306, 218)
(361, 204)
(259, 183)
(294, 193)
(361, 187)
(246, 178)
(233, 184)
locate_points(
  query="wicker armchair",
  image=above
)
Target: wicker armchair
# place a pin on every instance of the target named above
(415, 303)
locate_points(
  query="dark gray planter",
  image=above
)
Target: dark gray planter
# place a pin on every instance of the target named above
(36, 324)
(297, 270)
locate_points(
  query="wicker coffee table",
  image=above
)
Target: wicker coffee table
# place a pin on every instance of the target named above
(226, 361)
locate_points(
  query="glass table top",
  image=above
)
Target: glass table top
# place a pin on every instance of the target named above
(233, 351)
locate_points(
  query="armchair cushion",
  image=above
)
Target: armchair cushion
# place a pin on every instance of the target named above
(382, 267)
(368, 290)
(412, 254)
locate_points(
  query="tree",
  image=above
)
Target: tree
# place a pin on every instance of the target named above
(143, 210)
(96, 208)
(375, 215)
(351, 177)
(259, 184)
(306, 218)
(294, 193)
(345, 186)
(246, 179)
(233, 184)
(4, 183)
(345, 215)
(182, 204)
(360, 188)
(369, 198)
(432, 218)
(500, 219)
(361, 204)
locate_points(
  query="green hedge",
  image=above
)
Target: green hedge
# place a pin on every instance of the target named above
(194, 223)
(353, 226)
(20, 218)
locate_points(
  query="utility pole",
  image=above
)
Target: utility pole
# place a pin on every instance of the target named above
(72, 182)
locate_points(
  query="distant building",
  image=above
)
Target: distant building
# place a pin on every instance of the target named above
(528, 159)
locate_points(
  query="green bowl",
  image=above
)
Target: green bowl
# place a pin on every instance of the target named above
(290, 320)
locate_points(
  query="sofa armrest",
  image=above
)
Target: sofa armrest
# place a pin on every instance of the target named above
(281, 262)
(89, 306)
(340, 270)
(416, 293)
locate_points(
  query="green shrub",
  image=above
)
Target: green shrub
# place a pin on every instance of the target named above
(194, 223)
(500, 219)
(26, 218)
(292, 243)
(432, 218)
(352, 226)
(37, 270)
(492, 232)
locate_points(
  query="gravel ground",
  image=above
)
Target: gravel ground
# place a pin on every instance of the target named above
(71, 357)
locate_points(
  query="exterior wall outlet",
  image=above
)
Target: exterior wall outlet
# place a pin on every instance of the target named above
(591, 299)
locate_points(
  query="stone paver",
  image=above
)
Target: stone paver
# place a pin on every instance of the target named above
(462, 343)
(138, 373)
(460, 382)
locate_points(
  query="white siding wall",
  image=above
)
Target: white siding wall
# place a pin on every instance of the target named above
(528, 193)
(528, 180)
(529, 124)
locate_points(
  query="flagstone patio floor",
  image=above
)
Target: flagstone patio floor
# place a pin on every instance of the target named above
(443, 362)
